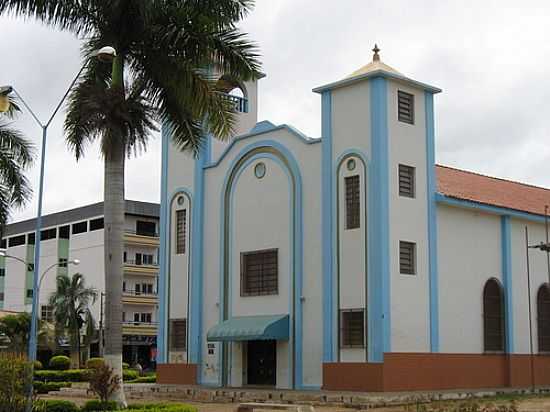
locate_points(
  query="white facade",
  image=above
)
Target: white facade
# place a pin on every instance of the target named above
(272, 188)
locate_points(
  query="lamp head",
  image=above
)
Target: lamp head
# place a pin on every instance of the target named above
(3, 252)
(75, 262)
(4, 99)
(106, 54)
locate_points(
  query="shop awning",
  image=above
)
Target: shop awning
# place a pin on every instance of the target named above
(241, 328)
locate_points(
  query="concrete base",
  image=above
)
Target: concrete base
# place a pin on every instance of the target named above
(177, 373)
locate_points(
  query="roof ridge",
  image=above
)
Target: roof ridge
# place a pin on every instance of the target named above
(494, 177)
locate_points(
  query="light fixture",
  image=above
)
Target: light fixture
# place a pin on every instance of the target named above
(106, 54)
(3, 252)
(75, 262)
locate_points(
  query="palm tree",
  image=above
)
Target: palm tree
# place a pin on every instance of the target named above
(167, 51)
(71, 304)
(15, 329)
(16, 154)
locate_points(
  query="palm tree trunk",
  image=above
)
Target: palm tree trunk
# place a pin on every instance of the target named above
(114, 208)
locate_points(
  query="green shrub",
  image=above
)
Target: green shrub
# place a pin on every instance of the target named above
(38, 365)
(129, 375)
(45, 387)
(94, 363)
(144, 379)
(15, 375)
(125, 365)
(97, 405)
(162, 407)
(54, 406)
(60, 363)
(71, 375)
(103, 382)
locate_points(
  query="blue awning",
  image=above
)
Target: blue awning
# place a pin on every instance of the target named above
(244, 328)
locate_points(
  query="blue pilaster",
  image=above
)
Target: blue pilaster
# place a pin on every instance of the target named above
(506, 247)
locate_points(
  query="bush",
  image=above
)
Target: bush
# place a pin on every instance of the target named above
(129, 375)
(94, 363)
(38, 365)
(45, 387)
(60, 363)
(15, 375)
(71, 375)
(125, 365)
(103, 382)
(95, 405)
(55, 406)
(144, 379)
(162, 407)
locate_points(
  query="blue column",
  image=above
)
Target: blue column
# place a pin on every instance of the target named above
(432, 222)
(162, 341)
(327, 225)
(506, 245)
(378, 231)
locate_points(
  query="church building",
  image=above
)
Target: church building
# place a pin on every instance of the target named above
(350, 261)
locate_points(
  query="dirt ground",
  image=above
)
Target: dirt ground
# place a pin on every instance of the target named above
(525, 404)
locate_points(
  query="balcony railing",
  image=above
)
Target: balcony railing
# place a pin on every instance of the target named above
(129, 292)
(241, 103)
(141, 233)
(140, 263)
(139, 323)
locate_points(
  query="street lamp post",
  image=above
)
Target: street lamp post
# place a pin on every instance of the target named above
(105, 54)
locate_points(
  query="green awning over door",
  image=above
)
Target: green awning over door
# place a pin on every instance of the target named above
(242, 328)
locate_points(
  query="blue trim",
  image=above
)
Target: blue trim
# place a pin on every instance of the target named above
(379, 265)
(162, 349)
(506, 244)
(263, 126)
(263, 130)
(496, 210)
(327, 213)
(293, 171)
(197, 262)
(432, 222)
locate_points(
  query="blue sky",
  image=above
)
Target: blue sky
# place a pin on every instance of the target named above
(491, 59)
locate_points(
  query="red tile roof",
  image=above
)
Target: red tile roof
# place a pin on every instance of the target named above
(493, 191)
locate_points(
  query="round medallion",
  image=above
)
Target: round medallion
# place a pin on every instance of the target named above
(181, 200)
(259, 170)
(351, 164)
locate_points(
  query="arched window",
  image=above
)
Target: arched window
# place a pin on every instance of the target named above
(543, 318)
(493, 316)
(235, 92)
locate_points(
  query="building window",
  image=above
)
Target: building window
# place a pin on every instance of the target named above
(1, 296)
(407, 258)
(16, 241)
(543, 318)
(259, 273)
(80, 227)
(493, 316)
(181, 227)
(62, 262)
(96, 224)
(64, 232)
(136, 317)
(144, 228)
(178, 335)
(2, 272)
(123, 316)
(353, 204)
(48, 234)
(124, 286)
(406, 181)
(3, 244)
(405, 107)
(352, 328)
(145, 318)
(147, 259)
(30, 238)
(46, 313)
(29, 293)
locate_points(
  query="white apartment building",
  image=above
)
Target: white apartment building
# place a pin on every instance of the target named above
(78, 234)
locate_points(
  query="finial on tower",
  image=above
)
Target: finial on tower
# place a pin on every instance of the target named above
(376, 56)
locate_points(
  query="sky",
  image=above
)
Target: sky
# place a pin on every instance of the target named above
(491, 58)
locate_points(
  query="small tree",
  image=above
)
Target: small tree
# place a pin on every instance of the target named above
(103, 382)
(15, 376)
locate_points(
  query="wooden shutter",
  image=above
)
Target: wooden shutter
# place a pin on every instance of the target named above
(493, 316)
(259, 273)
(405, 107)
(181, 227)
(353, 202)
(407, 258)
(352, 328)
(178, 334)
(543, 318)
(406, 181)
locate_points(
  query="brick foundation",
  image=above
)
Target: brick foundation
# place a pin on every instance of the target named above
(177, 373)
(438, 371)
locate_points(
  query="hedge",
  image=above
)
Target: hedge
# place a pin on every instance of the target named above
(97, 405)
(45, 387)
(144, 379)
(94, 363)
(75, 375)
(55, 406)
(38, 365)
(60, 363)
